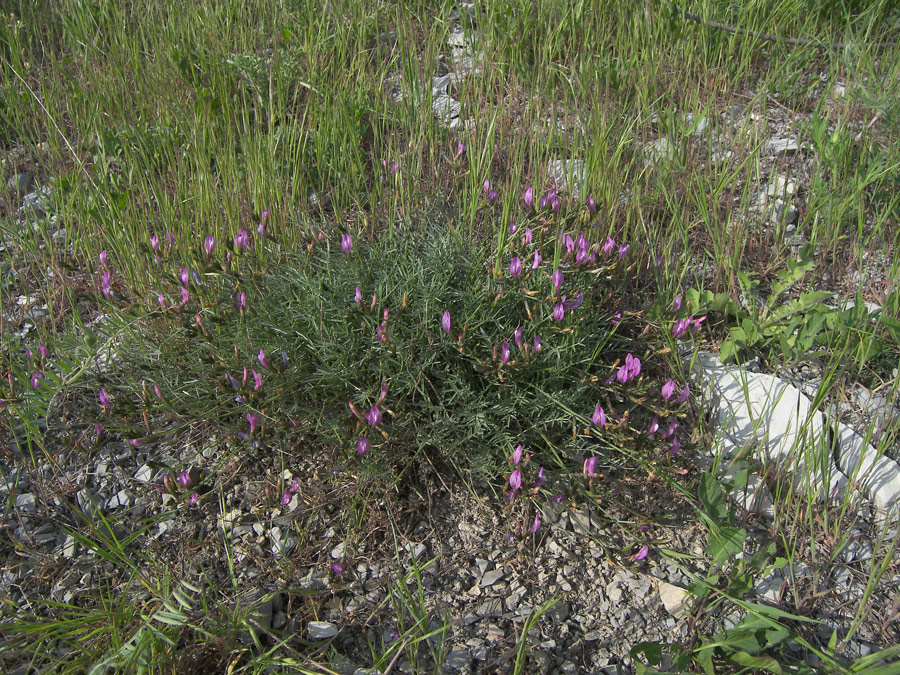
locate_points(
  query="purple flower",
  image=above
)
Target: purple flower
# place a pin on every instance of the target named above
(184, 478)
(157, 391)
(234, 383)
(697, 324)
(137, 442)
(44, 352)
(576, 303)
(358, 296)
(185, 296)
(670, 430)
(154, 243)
(504, 353)
(517, 336)
(541, 478)
(623, 249)
(194, 499)
(512, 227)
(253, 419)
(641, 554)
(634, 366)
(36, 378)
(555, 203)
(528, 235)
(263, 361)
(346, 244)
(492, 196)
(517, 454)
(209, 244)
(590, 466)
(460, 149)
(557, 279)
(537, 343)
(286, 498)
(170, 237)
(537, 260)
(242, 239)
(654, 425)
(536, 524)
(515, 480)
(515, 267)
(381, 333)
(569, 243)
(102, 257)
(676, 446)
(338, 568)
(609, 246)
(559, 312)
(599, 417)
(445, 322)
(668, 389)
(592, 205)
(106, 283)
(373, 417)
(241, 301)
(185, 277)
(284, 359)
(680, 328)
(98, 428)
(676, 303)
(487, 185)
(257, 380)
(684, 395)
(161, 299)
(617, 319)
(558, 498)
(622, 375)
(362, 446)
(581, 256)
(103, 397)
(528, 197)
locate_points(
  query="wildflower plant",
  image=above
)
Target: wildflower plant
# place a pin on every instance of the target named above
(453, 355)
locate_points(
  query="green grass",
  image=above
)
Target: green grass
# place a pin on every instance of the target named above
(147, 123)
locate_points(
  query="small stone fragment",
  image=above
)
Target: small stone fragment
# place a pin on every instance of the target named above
(321, 630)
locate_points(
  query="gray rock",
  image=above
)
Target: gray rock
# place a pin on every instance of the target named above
(321, 630)
(25, 503)
(458, 658)
(19, 183)
(37, 204)
(491, 608)
(857, 549)
(568, 174)
(144, 474)
(659, 151)
(121, 498)
(492, 577)
(70, 547)
(782, 146)
(781, 187)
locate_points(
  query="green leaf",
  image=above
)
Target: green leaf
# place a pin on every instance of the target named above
(652, 651)
(725, 542)
(738, 336)
(728, 351)
(712, 496)
(765, 662)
